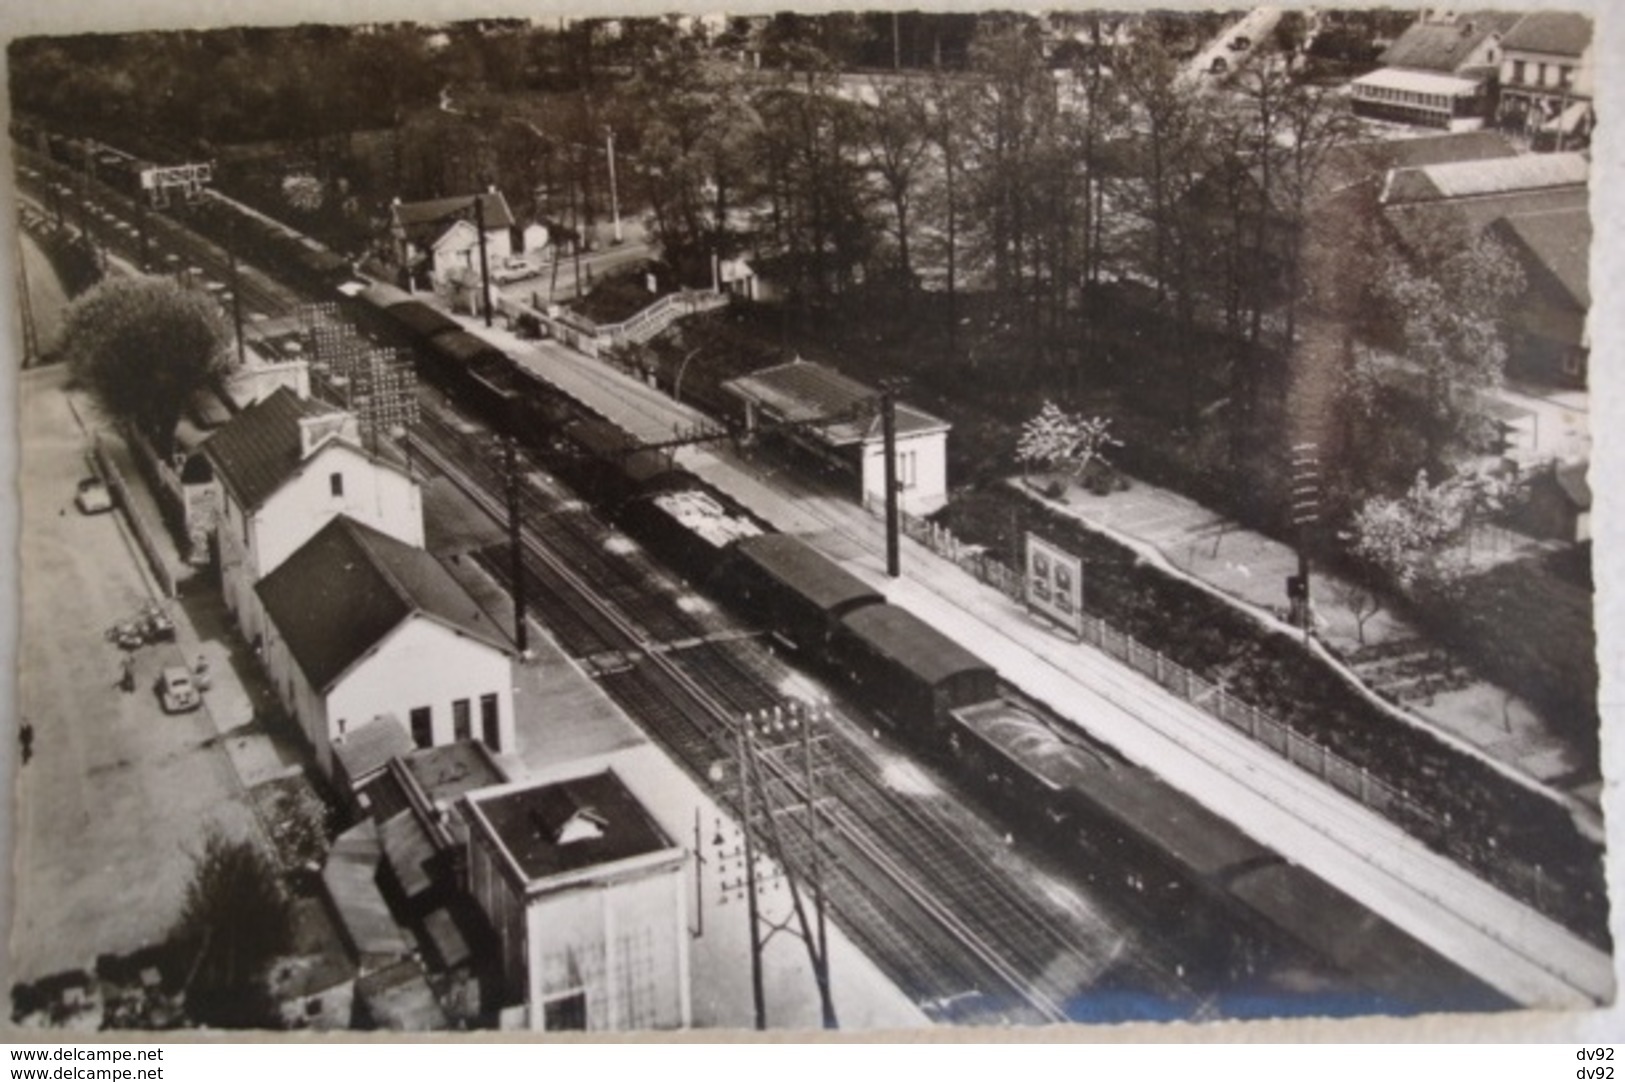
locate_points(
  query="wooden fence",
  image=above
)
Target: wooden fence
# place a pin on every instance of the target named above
(1527, 881)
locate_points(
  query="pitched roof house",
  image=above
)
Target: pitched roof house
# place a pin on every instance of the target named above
(360, 624)
(435, 237)
(282, 469)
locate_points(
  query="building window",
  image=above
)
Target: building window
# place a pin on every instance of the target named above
(1540, 74)
(1518, 71)
(335, 483)
(565, 1012)
(342, 726)
(488, 722)
(1565, 77)
(462, 727)
(423, 726)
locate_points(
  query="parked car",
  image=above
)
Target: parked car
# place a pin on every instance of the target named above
(1219, 66)
(157, 624)
(92, 497)
(516, 268)
(177, 692)
(1240, 42)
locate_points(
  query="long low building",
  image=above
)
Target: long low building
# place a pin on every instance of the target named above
(1425, 98)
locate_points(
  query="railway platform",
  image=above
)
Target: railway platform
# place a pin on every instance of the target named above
(1503, 942)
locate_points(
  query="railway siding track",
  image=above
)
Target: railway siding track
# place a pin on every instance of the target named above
(665, 686)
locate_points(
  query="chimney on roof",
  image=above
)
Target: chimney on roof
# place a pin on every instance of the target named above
(315, 431)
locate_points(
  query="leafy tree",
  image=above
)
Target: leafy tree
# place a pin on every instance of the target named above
(897, 137)
(1452, 318)
(1067, 441)
(1416, 539)
(143, 347)
(235, 920)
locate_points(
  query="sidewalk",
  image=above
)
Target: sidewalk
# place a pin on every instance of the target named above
(1487, 933)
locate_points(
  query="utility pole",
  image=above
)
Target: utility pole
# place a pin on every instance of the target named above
(762, 807)
(236, 290)
(1305, 513)
(614, 197)
(747, 784)
(521, 635)
(26, 308)
(888, 428)
(485, 264)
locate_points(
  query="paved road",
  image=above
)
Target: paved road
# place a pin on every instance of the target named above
(117, 793)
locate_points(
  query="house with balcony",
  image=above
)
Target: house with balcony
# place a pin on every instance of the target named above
(280, 471)
(359, 624)
(1548, 77)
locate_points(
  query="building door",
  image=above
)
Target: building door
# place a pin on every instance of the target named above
(489, 719)
(422, 726)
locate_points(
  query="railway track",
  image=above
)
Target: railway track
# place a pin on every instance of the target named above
(686, 712)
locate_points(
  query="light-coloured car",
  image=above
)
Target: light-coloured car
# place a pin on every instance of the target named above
(516, 268)
(177, 692)
(92, 497)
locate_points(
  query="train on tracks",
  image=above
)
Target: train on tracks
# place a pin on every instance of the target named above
(1078, 798)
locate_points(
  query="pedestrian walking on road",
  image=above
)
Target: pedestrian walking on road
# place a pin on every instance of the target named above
(25, 737)
(126, 680)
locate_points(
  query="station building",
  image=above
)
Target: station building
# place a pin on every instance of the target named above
(837, 420)
(359, 624)
(278, 473)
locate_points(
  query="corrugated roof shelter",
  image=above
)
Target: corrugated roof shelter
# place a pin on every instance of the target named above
(350, 879)
(350, 586)
(367, 749)
(802, 392)
(1494, 176)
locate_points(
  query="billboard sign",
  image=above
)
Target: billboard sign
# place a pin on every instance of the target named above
(1055, 583)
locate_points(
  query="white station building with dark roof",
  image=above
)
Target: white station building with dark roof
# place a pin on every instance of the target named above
(436, 237)
(838, 420)
(360, 624)
(586, 894)
(284, 468)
